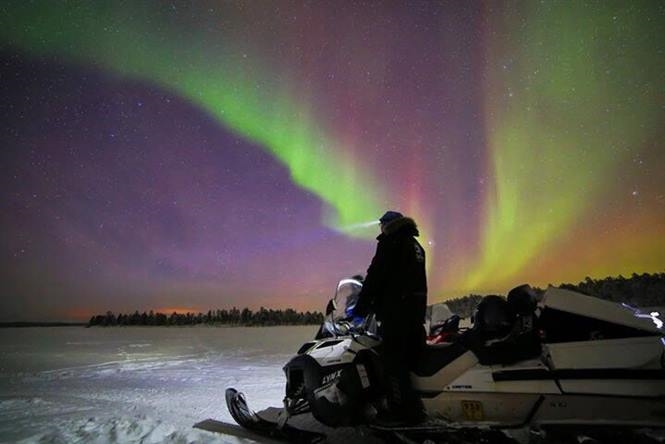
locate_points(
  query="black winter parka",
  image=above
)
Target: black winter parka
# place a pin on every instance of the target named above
(395, 288)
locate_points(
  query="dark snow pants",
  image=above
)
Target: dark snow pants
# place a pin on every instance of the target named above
(401, 348)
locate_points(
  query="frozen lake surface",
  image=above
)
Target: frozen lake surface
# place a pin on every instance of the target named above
(147, 384)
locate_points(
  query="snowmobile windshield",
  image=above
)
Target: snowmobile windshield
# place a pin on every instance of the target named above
(346, 296)
(342, 320)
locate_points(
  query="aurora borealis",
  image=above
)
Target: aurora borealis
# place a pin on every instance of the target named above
(161, 155)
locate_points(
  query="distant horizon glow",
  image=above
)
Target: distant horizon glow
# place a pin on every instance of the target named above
(213, 155)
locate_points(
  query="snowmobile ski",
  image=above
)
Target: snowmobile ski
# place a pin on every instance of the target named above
(228, 429)
(250, 420)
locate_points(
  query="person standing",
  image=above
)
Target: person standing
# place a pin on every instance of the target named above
(395, 290)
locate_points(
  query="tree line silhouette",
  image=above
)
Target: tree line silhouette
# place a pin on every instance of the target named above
(639, 290)
(234, 316)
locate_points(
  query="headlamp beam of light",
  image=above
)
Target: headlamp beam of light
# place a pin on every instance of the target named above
(361, 225)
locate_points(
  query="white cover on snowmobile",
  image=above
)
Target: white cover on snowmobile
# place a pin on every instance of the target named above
(447, 374)
(440, 312)
(437, 314)
(572, 302)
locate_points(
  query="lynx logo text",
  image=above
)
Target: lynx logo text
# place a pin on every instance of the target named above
(331, 377)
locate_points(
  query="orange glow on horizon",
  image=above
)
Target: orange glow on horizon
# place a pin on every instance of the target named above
(78, 314)
(178, 310)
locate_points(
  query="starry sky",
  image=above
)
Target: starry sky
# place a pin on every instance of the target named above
(173, 156)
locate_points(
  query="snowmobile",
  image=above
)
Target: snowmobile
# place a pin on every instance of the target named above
(531, 360)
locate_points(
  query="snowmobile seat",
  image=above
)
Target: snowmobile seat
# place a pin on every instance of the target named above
(522, 300)
(524, 335)
(504, 331)
(494, 317)
(434, 357)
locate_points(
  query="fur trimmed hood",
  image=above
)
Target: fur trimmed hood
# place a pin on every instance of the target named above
(402, 224)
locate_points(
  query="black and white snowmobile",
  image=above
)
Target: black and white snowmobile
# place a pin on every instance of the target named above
(559, 359)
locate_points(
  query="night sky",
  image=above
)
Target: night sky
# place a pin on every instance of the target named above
(172, 156)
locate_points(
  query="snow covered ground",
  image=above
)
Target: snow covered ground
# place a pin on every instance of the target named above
(135, 384)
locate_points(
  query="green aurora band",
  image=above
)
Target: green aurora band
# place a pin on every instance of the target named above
(568, 88)
(571, 102)
(221, 79)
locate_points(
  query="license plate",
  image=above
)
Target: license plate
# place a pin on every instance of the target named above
(473, 410)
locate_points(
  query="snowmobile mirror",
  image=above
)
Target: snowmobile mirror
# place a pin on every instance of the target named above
(331, 307)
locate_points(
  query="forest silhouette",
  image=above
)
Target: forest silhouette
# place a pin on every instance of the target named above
(639, 290)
